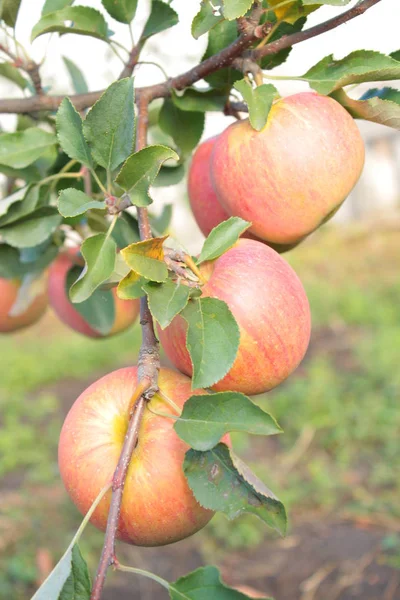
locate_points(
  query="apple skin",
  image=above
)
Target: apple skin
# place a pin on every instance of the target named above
(158, 506)
(271, 308)
(8, 295)
(126, 311)
(291, 176)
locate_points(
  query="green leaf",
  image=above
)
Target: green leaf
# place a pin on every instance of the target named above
(206, 418)
(139, 171)
(223, 237)
(166, 300)
(12, 265)
(73, 202)
(69, 580)
(363, 65)
(206, 19)
(131, 286)
(18, 205)
(33, 229)
(169, 175)
(274, 60)
(53, 5)
(185, 128)
(193, 100)
(83, 21)
(212, 340)
(380, 106)
(219, 37)
(77, 78)
(160, 224)
(126, 230)
(22, 148)
(10, 72)
(98, 310)
(109, 125)
(9, 11)
(121, 10)
(147, 259)
(395, 55)
(99, 252)
(70, 133)
(221, 481)
(233, 9)
(259, 100)
(204, 584)
(330, 2)
(162, 17)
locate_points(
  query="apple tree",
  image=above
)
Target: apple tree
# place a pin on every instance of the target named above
(145, 452)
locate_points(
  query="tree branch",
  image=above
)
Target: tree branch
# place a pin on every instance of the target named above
(30, 67)
(290, 40)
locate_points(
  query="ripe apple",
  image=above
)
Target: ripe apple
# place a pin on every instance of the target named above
(126, 311)
(271, 308)
(8, 295)
(158, 506)
(293, 175)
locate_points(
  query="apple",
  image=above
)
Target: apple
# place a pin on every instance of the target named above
(294, 174)
(126, 311)
(158, 506)
(271, 308)
(8, 295)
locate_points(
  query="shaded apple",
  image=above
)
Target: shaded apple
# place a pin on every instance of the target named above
(293, 175)
(158, 506)
(8, 296)
(271, 308)
(126, 311)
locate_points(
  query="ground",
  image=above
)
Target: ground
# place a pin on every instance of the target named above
(335, 466)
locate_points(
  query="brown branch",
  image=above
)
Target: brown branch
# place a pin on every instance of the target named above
(148, 367)
(290, 40)
(30, 67)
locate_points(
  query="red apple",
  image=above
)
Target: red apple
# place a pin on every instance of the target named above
(158, 506)
(271, 308)
(291, 176)
(8, 295)
(126, 311)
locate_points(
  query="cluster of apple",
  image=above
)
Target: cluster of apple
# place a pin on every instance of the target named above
(286, 180)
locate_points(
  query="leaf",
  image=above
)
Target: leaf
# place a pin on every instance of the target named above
(169, 175)
(220, 481)
(233, 9)
(382, 107)
(193, 100)
(69, 126)
(98, 310)
(126, 230)
(77, 78)
(259, 100)
(32, 285)
(121, 10)
(219, 37)
(99, 253)
(161, 223)
(204, 584)
(274, 60)
(185, 128)
(10, 72)
(206, 19)
(53, 5)
(22, 148)
(9, 11)
(69, 580)
(82, 20)
(223, 237)
(73, 202)
(20, 204)
(166, 300)
(395, 55)
(363, 65)
(330, 2)
(206, 418)
(162, 17)
(139, 171)
(291, 12)
(33, 229)
(109, 125)
(12, 266)
(212, 340)
(147, 259)
(5, 203)
(131, 286)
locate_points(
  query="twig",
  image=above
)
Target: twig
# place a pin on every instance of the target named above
(29, 66)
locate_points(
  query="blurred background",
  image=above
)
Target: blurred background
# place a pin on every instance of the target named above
(336, 467)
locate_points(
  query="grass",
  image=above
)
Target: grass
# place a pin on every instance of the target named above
(340, 414)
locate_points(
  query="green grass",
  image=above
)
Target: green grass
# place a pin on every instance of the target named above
(339, 450)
